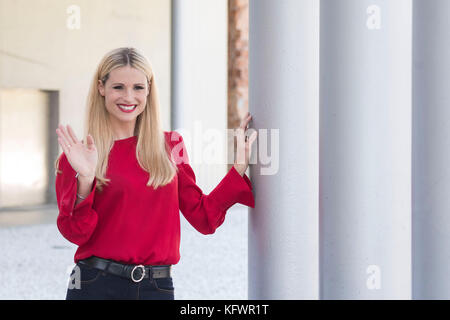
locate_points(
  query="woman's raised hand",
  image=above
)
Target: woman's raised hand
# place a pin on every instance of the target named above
(82, 158)
(244, 146)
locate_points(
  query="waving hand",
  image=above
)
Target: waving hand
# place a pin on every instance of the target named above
(83, 158)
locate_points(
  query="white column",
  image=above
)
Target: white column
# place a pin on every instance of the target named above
(431, 150)
(365, 149)
(283, 96)
(179, 92)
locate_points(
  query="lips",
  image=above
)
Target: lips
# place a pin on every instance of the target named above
(127, 108)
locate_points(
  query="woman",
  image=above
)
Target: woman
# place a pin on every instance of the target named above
(124, 220)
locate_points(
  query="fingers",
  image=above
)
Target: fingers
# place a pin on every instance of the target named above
(245, 121)
(62, 145)
(240, 134)
(62, 137)
(244, 126)
(66, 138)
(72, 134)
(62, 132)
(67, 134)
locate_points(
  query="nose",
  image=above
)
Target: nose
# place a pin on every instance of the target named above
(128, 96)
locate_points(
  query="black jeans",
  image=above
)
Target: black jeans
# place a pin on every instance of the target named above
(88, 283)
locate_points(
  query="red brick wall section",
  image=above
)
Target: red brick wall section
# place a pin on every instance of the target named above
(237, 65)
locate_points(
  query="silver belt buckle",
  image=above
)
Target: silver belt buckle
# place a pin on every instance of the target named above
(143, 273)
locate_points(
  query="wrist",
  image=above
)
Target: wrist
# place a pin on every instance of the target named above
(84, 178)
(240, 169)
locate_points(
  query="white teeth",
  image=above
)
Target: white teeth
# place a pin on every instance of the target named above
(126, 108)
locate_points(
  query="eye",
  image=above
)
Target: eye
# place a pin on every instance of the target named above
(137, 87)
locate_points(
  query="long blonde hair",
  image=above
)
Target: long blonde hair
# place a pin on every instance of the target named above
(152, 151)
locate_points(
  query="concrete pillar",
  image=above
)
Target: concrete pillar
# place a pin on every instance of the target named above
(365, 149)
(283, 248)
(431, 150)
(178, 91)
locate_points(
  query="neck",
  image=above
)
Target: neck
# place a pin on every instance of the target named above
(122, 130)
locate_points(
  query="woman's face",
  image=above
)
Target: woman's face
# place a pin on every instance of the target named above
(125, 93)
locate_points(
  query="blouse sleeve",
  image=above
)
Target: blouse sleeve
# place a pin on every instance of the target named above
(207, 212)
(76, 224)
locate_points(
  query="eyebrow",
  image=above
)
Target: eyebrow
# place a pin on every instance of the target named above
(136, 84)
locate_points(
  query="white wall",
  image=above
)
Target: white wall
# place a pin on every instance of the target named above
(38, 50)
(200, 75)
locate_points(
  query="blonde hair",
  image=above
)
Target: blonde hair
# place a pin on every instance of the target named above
(152, 150)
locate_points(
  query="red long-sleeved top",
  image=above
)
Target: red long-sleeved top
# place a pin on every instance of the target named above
(134, 224)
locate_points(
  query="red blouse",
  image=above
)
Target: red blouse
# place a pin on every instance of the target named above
(134, 224)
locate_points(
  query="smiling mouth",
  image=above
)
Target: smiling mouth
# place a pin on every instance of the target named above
(126, 107)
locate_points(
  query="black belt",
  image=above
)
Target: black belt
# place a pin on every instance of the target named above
(134, 272)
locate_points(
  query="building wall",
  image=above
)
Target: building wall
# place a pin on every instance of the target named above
(39, 50)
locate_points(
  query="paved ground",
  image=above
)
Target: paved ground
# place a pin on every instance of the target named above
(36, 261)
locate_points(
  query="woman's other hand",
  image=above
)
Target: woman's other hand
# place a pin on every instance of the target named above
(83, 158)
